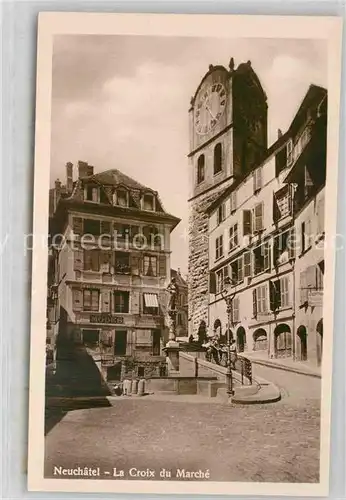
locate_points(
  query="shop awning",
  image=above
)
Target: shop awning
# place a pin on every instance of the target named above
(150, 300)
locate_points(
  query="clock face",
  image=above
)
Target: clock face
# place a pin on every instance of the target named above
(209, 108)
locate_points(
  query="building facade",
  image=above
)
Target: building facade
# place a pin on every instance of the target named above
(182, 304)
(228, 134)
(110, 269)
(266, 235)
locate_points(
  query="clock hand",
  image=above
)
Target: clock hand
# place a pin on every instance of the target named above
(209, 111)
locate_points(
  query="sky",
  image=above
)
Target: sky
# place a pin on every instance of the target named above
(122, 102)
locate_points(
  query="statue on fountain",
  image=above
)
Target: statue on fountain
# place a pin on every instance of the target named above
(173, 291)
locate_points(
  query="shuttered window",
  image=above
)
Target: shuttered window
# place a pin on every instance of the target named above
(247, 222)
(233, 201)
(261, 256)
(77, 299)
(150, 265)
(219, 247)
(122, 262)
(254, 302)
(262, 299)
(91, 300)
(247, 264)
(135, 264)
(106, 301)
(78, 260)
(257, 179)
(258, 217)
(233, 237)
(162, 266)
(221, 275)
(235, 310)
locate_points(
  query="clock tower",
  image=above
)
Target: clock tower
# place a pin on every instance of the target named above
(228, 137)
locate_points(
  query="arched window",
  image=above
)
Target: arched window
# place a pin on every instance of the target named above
(200, 169)
(218, 158)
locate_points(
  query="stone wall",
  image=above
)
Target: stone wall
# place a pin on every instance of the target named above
(198, 281)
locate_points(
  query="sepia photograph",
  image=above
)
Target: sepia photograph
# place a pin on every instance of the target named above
(185, 206)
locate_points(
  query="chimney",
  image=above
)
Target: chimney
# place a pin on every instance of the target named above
(178, 271)
(58, 186)
(279, 133)
(90, 170)
(82, 169)
(69, 177)
(57, 193)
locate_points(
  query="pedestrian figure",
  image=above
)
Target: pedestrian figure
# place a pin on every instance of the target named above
(233, 352)
(126, 384)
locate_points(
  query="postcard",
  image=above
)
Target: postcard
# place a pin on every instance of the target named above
(184, 244)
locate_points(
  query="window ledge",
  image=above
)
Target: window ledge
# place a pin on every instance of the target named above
(219, 258)
(305, 251)
(236, 247)
(320, 237)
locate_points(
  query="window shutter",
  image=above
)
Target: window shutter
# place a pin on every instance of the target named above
(233, 201)
(135, 264)
(240, 269)
(291, 244)
(77, 299)
(267, 265)
(105, 259)
(235, 310)
(259, 178)
(247, 264)
(106, 301)
(258, 216)
(78, 225)
(212, 282)
(247, 222)
(162, 266)
(274, 295)
(254, 178)
(311, 277)
(254, 302)
(78, 260)
(276, 210)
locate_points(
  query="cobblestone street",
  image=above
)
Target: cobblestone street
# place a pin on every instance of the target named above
(277, 443)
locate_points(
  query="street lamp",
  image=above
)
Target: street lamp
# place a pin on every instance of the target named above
(229, 298)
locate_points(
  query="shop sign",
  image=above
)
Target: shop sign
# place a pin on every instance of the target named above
(106, 318)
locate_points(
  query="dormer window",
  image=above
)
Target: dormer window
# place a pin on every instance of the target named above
(92, 193)
(148, 202)
(121, 198)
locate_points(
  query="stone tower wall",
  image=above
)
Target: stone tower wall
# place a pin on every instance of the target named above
(198, 283)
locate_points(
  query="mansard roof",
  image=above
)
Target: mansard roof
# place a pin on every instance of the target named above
(114, 177)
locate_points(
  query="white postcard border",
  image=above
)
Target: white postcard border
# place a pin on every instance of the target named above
(50, 24)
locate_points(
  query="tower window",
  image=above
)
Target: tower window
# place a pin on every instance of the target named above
(200, 169)
(217, 158)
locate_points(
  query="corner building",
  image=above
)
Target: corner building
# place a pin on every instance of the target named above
(228, 135)
(112, 268)
(266, 233)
